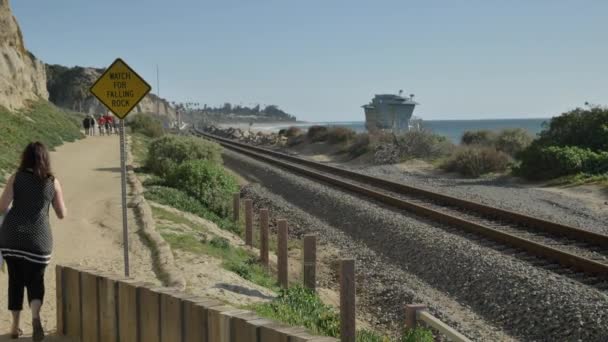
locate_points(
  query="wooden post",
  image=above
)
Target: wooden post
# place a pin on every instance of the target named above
(310, 261)
(60, 306)
(171, 317)
(128, 310)
(249, 222)
(149, 315)
(196, 319)
(410, 314)
(236, 206)
(347, 300)
(264, 236)
(108, 301)
(71, 294)
(282, 254)
(89, 307)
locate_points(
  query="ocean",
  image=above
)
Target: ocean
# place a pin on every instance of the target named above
(452, 129)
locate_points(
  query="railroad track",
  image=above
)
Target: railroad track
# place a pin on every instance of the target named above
(573, 248)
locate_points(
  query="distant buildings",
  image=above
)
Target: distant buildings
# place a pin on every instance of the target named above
(389, 112)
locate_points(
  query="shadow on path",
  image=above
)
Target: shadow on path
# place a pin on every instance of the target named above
(242, 290)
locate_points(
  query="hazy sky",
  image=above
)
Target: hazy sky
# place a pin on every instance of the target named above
(322, 59)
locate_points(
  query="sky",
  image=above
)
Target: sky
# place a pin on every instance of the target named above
(322, 59)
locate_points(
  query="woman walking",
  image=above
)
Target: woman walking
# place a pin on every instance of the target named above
(26, 241)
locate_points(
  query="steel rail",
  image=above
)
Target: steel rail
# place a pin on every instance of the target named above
(564, 258)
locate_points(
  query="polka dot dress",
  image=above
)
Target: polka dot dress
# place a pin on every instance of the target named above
(26, 232)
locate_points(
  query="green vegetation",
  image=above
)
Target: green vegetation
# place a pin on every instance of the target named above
(486, 151)
(555, 161)
(513, 141)
(139, 147)
(476, 161)
(422, 144)
(481, 137)
(195, 111)
(168, 151)
(317, 133)
(575, 143)
(580, 179)
(206, 181)
(182, 201)
(360, 145)
(302, 307)
(234, 259)
(41, 121)
(291, 132)
(510, 141)
(340, 135)
(146, 125)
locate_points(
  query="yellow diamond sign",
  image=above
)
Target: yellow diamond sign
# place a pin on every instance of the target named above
(120, 88)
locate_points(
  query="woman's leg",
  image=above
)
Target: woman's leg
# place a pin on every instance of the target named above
(35, 287)
(35, 294)
(16, 285)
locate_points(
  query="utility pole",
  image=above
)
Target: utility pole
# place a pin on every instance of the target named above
(157, 91)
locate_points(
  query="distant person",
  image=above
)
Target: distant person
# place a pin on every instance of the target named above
(107, 119)
(26, 240)
(92, 124)
(101, 123)
(86, 123)
(115, 124)
(109, 123)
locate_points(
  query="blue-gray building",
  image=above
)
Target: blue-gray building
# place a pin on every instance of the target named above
(389, 112)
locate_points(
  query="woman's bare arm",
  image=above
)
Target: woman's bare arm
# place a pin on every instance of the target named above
(58, 203)
(7, 195)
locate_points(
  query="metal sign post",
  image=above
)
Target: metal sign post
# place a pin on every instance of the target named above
(123, 186)
(120, 89)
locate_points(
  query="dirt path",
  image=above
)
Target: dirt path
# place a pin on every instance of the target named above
(91, 235)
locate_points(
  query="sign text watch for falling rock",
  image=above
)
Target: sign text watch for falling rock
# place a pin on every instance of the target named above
(120, 89)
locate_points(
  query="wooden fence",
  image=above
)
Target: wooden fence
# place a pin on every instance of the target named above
(96, 307)
(414, 312)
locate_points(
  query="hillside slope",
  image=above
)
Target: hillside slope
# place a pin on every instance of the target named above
(40, 121)
(22, 76)
(69, 88)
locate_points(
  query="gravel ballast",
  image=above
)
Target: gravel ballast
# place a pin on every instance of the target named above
(500, 192)
(486, 294)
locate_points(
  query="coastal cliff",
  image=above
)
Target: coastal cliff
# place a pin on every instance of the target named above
(22, 76)
(69, 88)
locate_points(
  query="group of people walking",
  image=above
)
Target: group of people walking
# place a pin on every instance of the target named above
(105, 124)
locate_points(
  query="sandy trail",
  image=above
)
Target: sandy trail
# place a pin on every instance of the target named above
(91, 235)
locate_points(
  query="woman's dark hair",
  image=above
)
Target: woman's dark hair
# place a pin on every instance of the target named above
(36, 158)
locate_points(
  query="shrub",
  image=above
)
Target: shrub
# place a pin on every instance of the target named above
(219, 242)
(295, 140)
(300, 306)
(554, 161)
(417, 335)
(292, 132)
(206, 181)
(360, 146)
(317, 133)
(146, 125)
(423, 144)
(481, 137)
(513, 141)
(166, 152)
(182, 201)
(585, 128)
(337, 135)
(476, 161)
